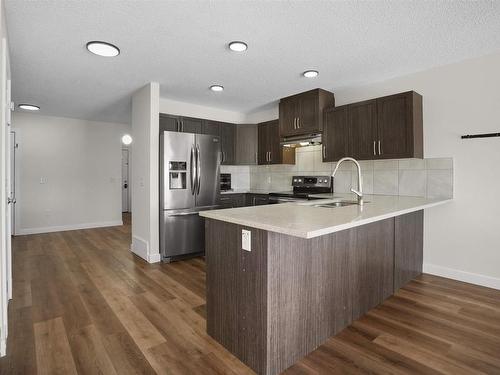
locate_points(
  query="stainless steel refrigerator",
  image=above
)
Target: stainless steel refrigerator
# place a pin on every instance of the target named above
(189, 183)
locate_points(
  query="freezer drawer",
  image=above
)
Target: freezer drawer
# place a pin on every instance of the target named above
(181, 233)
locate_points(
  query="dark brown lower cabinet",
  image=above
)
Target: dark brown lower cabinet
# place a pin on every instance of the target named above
(276, 303)
(231, 200)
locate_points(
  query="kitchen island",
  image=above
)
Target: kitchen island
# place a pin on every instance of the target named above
(309, 273)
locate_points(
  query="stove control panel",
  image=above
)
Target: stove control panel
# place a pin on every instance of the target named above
(312, 181)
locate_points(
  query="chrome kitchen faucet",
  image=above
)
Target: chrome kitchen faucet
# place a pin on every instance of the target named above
(358, 192)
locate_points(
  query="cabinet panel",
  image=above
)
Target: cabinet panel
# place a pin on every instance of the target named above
(408, 247)
(211, 127)
(169, 123)
(270, 150)
(232, 200)
(372, 265)
(191, 125)
(303, 113)
(273, 140)
(362, 121)
(308, 119)
(257, 199)
(288, 115)
(262, 149)
(394, 132)
(399, 125)
(246, 144)
(228, 140)
(335, 134)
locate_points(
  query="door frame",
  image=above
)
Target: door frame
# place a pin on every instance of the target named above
(5, 216)
(128, 179)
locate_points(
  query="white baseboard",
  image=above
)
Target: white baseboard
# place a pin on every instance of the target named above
(468, 277)
(140, 247)
(63, 228)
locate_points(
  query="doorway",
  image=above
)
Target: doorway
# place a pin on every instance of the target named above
(125, 181)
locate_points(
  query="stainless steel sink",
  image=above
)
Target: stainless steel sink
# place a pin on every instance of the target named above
(336, 204)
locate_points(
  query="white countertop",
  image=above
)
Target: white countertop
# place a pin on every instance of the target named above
(304, 220)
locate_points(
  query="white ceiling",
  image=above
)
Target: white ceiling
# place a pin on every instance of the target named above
(182, 45)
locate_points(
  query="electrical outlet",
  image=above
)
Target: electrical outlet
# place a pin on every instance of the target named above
(246, 240)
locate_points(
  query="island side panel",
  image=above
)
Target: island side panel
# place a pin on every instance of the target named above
(371, 265)
(309, 296)
(237, 291)
(221, 256)
(409, 244)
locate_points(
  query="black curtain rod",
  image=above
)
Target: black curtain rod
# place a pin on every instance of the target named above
(486, 135)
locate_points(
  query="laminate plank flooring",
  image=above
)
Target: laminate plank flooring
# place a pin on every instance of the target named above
(84, 304)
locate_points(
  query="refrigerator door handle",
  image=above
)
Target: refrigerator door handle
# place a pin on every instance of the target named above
(198, 169)
(184, 214)
(192, 170)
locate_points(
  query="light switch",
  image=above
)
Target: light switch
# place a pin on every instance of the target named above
(246, 240)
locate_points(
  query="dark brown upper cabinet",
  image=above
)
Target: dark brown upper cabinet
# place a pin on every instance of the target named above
(302, 113)
(270, 150)
(169, 123)
(384, 128)
(180, 124)
(246, 144)
(400, 126)
(211, 127)
(362, 123)
(228, 143)
(335, 133)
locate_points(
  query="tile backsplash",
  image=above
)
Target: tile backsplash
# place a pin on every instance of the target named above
(430, 178)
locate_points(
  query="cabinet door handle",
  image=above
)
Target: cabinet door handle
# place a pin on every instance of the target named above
(324, 152)
(379, 148)
(298, 122)
(295, 122)
(270, 158)
(374, 149)
(182, 125)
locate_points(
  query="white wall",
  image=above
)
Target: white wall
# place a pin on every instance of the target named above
(461, 239)
(69, 173)
(145, 173)
(173, 107)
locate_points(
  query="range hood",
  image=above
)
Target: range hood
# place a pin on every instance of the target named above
(302, 140)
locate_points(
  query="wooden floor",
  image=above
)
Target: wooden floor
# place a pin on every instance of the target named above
(84, 304)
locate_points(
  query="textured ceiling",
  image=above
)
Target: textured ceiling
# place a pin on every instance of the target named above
(182, 45)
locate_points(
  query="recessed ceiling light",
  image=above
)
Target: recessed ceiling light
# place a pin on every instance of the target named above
(103, 48)
(238, 46)
(310, 73)
(29, 107)
(127, 139)
(217, 88)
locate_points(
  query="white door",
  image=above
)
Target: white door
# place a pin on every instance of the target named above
(125, 181)
(13, 148)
